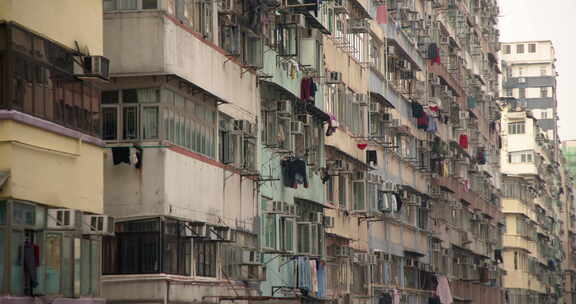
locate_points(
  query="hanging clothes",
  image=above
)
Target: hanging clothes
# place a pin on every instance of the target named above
(434, 53)
(398, 202)
(443, 290)
(307, 89)
(417, 110)
(314, 276)
(472, 102)
(31, 261)
(385, 299)
(432, 126)
(294, 173)
(371, 156)
(382, 14)
(463, 141)
(120, 155)
(434, 109)
(396, 296)
(422, 121)
(333, 125)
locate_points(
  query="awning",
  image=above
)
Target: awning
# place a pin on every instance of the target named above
(4, 177)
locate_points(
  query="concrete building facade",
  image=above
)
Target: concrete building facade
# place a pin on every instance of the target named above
(51, 155)
(536, 198)
(529, 74)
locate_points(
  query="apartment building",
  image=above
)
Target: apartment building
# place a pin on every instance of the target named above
(569, 152)
(51, 155)
(536, 196)
(569, 218)
(180, 120)
(293, 151)
(529, 74)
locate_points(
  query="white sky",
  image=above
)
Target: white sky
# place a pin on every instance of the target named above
(554, 20)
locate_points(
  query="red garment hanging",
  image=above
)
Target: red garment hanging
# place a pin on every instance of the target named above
(382, 14)
(463, 141)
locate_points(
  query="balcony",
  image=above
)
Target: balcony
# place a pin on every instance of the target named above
(394, 33)
(147, 43)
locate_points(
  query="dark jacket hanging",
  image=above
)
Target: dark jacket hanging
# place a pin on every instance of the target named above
(120, 155)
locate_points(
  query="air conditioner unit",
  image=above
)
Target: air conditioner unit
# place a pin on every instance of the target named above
(297, 127)
(64, 219)
(391, 50)
(360, 25)
(328, 221)
(359, 176)
(374, 107)
(250, 257)
(227, 234)
(475, 217)
(394, 123)
(200, 230)
(464, 115)
(92, 67)
(336, 165)
(98, 224)
(521, 80)
(306, 119)
(334, 78)
(284, 107)
(361, 99)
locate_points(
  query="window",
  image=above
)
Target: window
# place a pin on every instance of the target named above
(3, 212)
(522, 93)
(543, 92)
(142, 247)
(509, 93)
(543, 70)
(516, 127)
(532, 48)
(329, 190)
(120, 5)
(137, 114)
(520, 49)
(544, 114)
(342, 191)
(520, 157)
(205, 256)
(520, 71)
(507, 49)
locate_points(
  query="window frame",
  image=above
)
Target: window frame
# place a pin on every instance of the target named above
(532, 48)
(517, 127)
(520, 48)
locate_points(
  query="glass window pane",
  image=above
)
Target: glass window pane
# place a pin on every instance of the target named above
(109, 5)
(110, 97)
(149, 4)
(85, 269)
(95, 266)
(150, 122)
(109, 123)
(3, 211)
(148, 95)
(53, 262)
(127, 4)
(24, 214)
(130, 118)
(17, 275)
(3, 249)
(67, 269)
